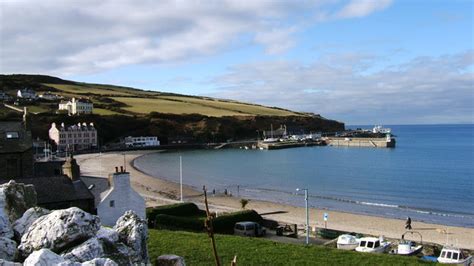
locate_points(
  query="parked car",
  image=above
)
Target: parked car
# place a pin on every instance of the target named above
(249, 229)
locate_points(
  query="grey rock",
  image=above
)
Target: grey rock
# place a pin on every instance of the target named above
(133, 232)
(43, 257)
(86, 251)
(107, 234)
(100, 262)
(59, 230)
(170, 260)
(7, 249)
(31, 215)
(9, 263)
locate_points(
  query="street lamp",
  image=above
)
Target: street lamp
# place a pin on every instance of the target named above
(307, 212)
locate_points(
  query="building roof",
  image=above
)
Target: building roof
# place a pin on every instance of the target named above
(57, 189)
(20, 144)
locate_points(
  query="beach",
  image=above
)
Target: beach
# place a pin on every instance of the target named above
(158, 191)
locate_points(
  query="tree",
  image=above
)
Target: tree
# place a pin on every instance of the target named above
(244, 202)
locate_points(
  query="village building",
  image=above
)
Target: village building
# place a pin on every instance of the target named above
(26, 93)
(16, 149)
(141, 141)
(74, 138)
(77, 106)
(119, 198)
(4, 96)
(49, 96)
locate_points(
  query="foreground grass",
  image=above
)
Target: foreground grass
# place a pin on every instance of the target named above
(196, 249)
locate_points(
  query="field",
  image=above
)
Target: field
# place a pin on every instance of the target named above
(196, 249)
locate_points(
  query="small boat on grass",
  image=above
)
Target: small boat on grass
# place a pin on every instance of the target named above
(347, 242)
(373, 245)
(408, 247)
(453, 255)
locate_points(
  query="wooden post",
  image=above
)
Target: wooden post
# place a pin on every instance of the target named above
(210, 228)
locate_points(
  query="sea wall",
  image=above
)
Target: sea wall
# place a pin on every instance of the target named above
(361, 142)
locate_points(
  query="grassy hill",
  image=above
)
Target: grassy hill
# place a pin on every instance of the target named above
(109, 99)
(196, 250)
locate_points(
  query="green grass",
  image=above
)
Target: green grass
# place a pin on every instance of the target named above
(100, 111)
(101, 90)
(36, 109)
(196, 249)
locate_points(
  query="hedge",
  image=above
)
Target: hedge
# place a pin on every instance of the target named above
(225, 224)
(179, 209)
(170, 222)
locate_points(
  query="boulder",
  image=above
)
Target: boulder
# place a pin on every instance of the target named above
(170, 260)
(9, 263)
(86, 251)
(31, 215)
(108, 234)
(133, 232)
(7, 249)
(15, 199)
(59, 230)
(43, 257)
(100, 262)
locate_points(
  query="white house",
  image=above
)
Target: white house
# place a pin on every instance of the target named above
(77, 106)
(49, 96)
(119, 198)
(141, 141)
(26, 93)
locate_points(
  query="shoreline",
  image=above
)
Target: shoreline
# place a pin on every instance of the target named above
(159, 191)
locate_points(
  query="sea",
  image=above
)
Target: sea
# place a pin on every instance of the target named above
(428, 176)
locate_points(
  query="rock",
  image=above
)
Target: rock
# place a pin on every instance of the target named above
(86, 251)
(170, 260)
(100, 262)
(107, 234)
(15, 199)
(59, 230)
(7, 249)
(9, 263)
(31, 215)
(133, 232)
(43, 257)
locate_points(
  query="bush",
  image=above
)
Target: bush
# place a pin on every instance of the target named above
(225, 224)
(179, 209)
(170, 222)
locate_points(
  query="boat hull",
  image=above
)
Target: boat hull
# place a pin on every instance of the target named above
(347, 246)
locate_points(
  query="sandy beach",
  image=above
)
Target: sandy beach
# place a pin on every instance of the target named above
(158, 191)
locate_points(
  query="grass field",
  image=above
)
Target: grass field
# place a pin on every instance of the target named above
(87, 89)
(196, 249)
(100, 111)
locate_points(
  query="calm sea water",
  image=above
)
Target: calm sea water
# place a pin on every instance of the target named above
(428, 176)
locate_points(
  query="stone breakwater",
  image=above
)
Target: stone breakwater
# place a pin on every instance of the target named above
(36, 236)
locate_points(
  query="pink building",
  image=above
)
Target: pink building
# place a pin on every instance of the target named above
(75, 137)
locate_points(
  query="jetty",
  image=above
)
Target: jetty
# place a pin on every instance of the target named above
(387, 142)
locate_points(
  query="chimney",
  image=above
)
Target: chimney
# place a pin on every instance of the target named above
(121, 169)
(116, 169)
(72, 169)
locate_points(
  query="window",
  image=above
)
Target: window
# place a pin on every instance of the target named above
(12, 135)
(449, 255)
(443, 254)
(370, 244)
(363, 243)
(455, 256)
(112, 203)
(377, 244)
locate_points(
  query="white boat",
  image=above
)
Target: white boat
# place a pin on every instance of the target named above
(373, 245)
(380, 129)
(407, 247)
(452, 255)
(347, 242)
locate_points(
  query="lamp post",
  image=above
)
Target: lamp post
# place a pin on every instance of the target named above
(307, 212)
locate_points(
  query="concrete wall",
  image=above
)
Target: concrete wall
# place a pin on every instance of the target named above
(119, 199)
(362, 142)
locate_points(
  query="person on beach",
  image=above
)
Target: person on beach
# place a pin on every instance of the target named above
(408, 223)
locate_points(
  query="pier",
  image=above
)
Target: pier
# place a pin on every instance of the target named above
(362, 142)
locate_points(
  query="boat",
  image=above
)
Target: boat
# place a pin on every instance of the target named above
(373, 245)
(408, 247)
(380, 129)
(453, 255)
(347, 242)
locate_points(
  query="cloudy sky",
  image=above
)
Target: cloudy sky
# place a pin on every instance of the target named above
(357, 61)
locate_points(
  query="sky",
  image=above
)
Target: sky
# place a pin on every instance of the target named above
(356, 61)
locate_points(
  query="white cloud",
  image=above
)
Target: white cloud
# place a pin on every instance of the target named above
(362, 8)
(72, 37)
(423, 90)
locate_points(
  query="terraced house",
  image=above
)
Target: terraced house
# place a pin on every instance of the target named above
(74, 138)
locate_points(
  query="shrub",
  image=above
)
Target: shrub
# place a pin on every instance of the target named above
(179, 209)
(225, 224)
(170, 222)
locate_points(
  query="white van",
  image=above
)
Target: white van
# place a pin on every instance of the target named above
(249, 229)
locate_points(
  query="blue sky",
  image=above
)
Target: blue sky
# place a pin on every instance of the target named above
(357, 61)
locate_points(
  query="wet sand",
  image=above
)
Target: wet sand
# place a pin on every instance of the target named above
(158, 191)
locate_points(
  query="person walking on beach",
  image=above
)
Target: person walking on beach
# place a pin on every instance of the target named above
(408, 223)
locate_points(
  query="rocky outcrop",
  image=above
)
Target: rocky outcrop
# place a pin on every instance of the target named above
(86, 251)
(15, 199)
(43, 257)
(170, 260)
(107, 234)
(94, 262)
(31, 215)
(59, 230)
(133, 232)
(9, 263)
(7, 249)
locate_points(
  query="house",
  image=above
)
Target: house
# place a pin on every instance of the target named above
(77, 106)
(16, 149)
(26, 94)
(4, 96)
(74, 138)
(49, 96)
(141, 141)
(119, 198)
